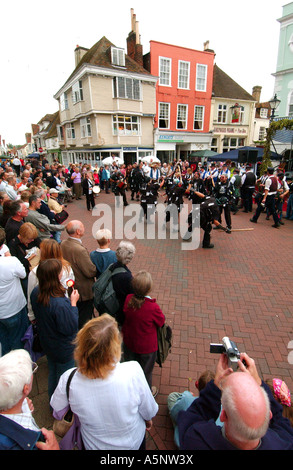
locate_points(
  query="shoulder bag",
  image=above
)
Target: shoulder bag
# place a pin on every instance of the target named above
(60, 427)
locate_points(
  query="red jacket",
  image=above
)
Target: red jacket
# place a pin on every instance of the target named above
(139, 329)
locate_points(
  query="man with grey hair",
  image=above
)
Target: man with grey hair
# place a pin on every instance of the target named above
(40, 220)
(252, 417)
(84, 270)
(122, 281)
(18, 429)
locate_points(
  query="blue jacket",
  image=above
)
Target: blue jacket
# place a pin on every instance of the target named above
(57, 325)
(15, 437)
(198, 431)
(105, 175)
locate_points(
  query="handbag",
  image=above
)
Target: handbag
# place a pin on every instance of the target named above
(61, 217)
(30, 344)
(62, 426)
(36, 344)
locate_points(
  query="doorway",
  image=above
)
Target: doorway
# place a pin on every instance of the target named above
(129, 158)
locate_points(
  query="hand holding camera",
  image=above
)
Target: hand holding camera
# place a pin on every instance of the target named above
(232, 360)
(247, 364)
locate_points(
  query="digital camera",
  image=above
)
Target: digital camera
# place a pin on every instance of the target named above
(228, 347)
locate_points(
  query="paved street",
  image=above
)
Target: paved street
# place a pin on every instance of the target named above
(242, 289)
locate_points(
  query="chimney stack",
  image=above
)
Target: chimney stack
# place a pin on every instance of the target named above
(79, 53)
(134, 47)
(256, 91)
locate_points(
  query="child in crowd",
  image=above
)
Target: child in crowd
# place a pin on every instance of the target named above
(143, 317)
(181, 401)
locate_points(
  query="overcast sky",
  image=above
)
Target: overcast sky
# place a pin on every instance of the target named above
(38, 41)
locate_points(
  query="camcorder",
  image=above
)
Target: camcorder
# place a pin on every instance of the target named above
(228, 347)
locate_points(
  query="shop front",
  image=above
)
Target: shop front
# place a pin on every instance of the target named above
(227, 138)
(170, 146)
(129, 155)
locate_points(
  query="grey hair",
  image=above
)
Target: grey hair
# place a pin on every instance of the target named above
(73, 226)
(238, 428)
(40, 192)
(15, 373)
(125, 252)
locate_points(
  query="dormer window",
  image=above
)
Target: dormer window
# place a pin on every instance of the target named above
(118, 56)
(263, 113)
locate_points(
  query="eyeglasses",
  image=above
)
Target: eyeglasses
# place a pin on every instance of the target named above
(34, 367)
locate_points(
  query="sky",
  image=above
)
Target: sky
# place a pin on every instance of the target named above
(38, 39)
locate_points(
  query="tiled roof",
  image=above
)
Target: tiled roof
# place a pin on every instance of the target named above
(47, 117)
(225, 87)
(35, 128)
(263, 105)
(99, 55)
(52, 129)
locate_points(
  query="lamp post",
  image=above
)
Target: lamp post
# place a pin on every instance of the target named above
(274, 103)
(266, 161)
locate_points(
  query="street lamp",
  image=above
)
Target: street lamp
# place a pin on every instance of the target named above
(274, 103)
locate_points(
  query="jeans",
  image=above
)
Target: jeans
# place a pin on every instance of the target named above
(56, 369)
(12, 329)
(57, 236)
(181, 402)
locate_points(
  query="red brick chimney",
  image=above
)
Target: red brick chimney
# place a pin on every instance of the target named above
(134, 47)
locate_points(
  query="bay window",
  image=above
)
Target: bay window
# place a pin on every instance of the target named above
(126, 125)
(85, 127)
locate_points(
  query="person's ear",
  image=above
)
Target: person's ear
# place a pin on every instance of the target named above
(223, 416)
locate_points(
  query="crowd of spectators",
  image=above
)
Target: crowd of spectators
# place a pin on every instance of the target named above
(48, 283)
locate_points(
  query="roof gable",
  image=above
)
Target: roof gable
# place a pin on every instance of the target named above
(225, 87)
(100, 56)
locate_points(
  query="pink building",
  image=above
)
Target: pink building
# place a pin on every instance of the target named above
(183, 99)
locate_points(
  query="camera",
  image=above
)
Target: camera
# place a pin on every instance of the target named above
(228, 347)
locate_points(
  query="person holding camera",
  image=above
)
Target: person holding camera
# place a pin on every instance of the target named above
(252, 418)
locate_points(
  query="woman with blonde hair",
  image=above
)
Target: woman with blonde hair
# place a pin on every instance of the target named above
(111, 399)
(142, 318)
(49, 248)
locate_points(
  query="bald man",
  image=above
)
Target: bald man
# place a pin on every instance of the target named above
(252, 418)
(84, 270)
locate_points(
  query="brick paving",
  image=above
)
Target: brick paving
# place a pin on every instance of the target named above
(242, 289)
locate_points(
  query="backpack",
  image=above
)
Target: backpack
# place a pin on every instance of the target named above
(164, 343)
(105, 299)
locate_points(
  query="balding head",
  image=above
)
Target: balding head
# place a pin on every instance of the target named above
(246, 408)
(75, 228)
